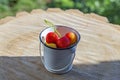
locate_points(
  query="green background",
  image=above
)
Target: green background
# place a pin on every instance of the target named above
(107, 8)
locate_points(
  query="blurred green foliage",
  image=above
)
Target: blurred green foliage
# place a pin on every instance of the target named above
(10, 7)
(108, 8)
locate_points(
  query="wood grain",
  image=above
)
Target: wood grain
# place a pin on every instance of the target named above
(97, 54)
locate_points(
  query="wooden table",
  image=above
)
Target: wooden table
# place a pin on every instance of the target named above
(97, 55)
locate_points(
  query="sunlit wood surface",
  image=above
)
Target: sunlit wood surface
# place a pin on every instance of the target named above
(97, 54)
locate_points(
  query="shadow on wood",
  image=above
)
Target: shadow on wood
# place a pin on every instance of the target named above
(31, 68)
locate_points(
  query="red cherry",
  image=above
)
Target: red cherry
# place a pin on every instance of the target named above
(63, 42)
(52, 37)
(72, 37)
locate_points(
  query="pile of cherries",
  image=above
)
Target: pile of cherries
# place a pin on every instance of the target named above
(54, 41)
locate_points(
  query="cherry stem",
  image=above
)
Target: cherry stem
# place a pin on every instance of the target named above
(50, 24)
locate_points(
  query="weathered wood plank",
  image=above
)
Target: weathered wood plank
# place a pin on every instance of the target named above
(90, 16)
(54, 10)
(6, 19)
(37, 11)
(23, 13)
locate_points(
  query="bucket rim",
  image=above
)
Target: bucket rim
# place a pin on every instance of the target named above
(79, 37)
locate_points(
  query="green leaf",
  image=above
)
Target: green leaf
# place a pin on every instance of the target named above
(50, 24)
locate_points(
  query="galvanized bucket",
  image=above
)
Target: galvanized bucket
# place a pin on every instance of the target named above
(57, 60)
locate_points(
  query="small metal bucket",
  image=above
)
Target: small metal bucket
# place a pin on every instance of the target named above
(58, 60)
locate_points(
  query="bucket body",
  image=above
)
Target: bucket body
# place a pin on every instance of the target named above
(57, 60)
